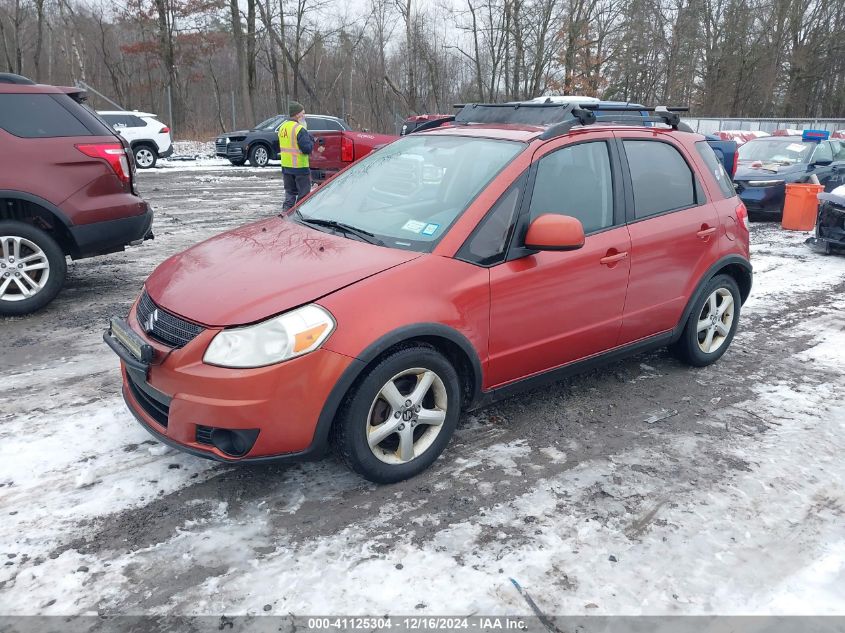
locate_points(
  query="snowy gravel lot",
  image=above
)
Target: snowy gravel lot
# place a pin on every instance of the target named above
(733, 502)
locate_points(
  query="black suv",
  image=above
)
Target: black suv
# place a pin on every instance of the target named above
(261, 144)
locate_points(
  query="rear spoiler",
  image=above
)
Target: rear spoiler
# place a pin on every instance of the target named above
(77, 94)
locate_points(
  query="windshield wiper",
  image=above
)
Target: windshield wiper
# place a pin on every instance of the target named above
(364, 236)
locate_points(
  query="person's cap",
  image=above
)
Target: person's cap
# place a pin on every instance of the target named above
(295, 108)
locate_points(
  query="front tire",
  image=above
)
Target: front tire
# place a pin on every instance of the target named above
(711, 325)
(32, 268)
(399, 418)
(237, 162)
(259, 156)
(145, 156)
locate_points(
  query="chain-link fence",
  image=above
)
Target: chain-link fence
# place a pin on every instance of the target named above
(713, 125)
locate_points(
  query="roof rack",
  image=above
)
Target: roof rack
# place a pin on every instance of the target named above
(559, 118)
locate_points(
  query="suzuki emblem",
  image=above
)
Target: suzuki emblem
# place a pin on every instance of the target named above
(150, 324)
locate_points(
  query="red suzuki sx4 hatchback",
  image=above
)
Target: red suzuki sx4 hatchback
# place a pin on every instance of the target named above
(510, 246)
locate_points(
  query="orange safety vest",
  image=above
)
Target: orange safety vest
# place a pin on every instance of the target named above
(290, 154)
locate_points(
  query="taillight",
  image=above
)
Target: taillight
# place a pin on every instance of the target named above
(736, 162)
(347, 149)
(113, 154)
(164, 130)
(742, 216)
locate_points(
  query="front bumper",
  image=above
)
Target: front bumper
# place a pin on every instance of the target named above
(178, 398)
(111, 236)
(767, 200)
(234, 150)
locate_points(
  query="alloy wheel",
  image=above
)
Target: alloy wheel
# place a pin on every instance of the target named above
(261, 157)
(144, 157)
(715, 320)
(24, 268)
(406, 416)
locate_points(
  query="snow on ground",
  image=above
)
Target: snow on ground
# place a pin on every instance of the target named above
(594, 504)
(186, 150)
(206, 163)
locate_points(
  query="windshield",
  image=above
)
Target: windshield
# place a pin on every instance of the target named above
(783, 151)
(270, 123)
(408, 193)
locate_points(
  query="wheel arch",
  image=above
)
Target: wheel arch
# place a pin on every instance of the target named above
(446, 340)
(25, 207)
(260, 141)
(737, 267)
(145, 142)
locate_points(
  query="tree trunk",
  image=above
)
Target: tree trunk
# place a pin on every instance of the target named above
(240, 55)
(39, 38)
(250, 58)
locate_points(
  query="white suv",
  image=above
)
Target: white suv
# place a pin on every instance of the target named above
(148, 137)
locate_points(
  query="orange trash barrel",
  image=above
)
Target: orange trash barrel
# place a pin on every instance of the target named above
(801, 206)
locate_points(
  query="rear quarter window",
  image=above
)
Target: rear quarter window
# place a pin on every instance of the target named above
(716, 168)
(44, 116)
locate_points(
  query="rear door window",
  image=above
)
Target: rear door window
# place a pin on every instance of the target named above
(661, 179)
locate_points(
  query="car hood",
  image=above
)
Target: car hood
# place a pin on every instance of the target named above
(236, 133)
(768, 171)
(263, 269)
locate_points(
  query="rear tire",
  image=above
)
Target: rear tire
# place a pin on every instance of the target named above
(31, 262)
(259, 155)
(145, 155)
(711, 325)
(382, 437)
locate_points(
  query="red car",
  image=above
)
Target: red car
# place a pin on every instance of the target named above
(445, 270)
(67, 189)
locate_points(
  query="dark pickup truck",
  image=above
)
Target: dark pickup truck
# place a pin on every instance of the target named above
(260, 145)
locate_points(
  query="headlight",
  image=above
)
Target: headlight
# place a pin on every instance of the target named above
(764, 183)
(281, 338)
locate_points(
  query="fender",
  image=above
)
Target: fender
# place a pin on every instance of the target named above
(28, 197)
(145, 141)
(415, 331)
(728, 260)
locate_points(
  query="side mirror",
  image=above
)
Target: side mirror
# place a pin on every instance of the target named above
(822, 163)
(552, 232)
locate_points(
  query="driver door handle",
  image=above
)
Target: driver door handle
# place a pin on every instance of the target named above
(609, 260)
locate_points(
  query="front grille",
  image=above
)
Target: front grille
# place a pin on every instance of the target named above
(220, 146)
(156, 410)
(204, 435)
(166, 328)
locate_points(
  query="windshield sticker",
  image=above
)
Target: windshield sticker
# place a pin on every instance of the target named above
(430, 229)
(414, 226)
(795, 147)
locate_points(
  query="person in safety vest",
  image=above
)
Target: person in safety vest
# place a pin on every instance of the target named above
(295, 146)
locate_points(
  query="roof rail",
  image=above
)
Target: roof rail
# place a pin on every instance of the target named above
(11, 78)
(559, 118)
